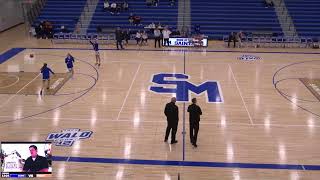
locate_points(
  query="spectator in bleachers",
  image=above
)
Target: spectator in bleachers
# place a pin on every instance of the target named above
(125, 6)
(99, 29)
(232, 37)
(138, 37)
(106, 5)
(136, 20)
(268, 3)
(157, 37)
(144, 40)
(119, 38)
(64, 29)
(113, 8)
(149, 2)
(131, 18)
(197, 29)
(119, 8)
(172, 2)
(175, 33)
(155, 3)
(166, 35)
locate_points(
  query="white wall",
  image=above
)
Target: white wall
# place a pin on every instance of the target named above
(10, 13)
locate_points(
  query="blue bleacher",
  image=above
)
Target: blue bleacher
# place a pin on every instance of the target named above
(164, 14)
(61, 12)
(221, 17)
(306, 16)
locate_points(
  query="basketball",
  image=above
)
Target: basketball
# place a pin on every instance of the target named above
(31, 55)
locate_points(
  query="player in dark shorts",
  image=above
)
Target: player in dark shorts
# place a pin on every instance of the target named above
(69, 62)
(45, 77)
(95, 46)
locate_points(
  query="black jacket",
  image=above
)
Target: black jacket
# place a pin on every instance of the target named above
(119, 35)
(37, 165)
(194, 113)
(172, 112)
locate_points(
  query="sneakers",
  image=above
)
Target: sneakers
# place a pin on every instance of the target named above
(195, 145)
(174, 142)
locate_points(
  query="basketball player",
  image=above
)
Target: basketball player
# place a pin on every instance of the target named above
(172, 112)
(194, 119)
(45, 77)
(95, 46)
(69, 62)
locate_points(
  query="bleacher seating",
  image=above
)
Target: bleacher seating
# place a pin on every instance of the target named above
(306, 16)
(164, 14)
(62, 13)
(221, 17)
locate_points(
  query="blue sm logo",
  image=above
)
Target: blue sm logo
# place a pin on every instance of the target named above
(178, 85)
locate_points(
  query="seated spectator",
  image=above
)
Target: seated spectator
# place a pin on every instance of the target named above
(155, 3)
(106, 5)
(131, 18)
(119, 8)
(197, 29)
(144, 40)
(99, 29)
(136, 20)
(175, 33)
(125, 6)
(113, 8)
(268, 3)
(138, 37)
(149, 2)
(172, 2)
(152, 26)
(64, 29)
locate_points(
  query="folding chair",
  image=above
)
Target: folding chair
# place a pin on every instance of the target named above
(60, 37)
(249, 40)
(256, 41)
(273, 42)
(303, 42)
(66, 37)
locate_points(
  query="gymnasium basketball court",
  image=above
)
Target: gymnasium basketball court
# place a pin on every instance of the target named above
(262, 122)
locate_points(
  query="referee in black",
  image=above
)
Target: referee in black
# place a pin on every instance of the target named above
(194, 119)
(172, 112)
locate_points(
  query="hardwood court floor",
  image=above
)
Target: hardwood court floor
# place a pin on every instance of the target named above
(255, 124)
(30, 83)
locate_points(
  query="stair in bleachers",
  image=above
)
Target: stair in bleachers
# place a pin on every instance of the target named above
(164, 14)
(306, 16)
(221, 17)
(62, 13)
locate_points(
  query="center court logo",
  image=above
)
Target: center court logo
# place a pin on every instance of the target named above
(68, 136)
(247, 57)
(179, 86)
